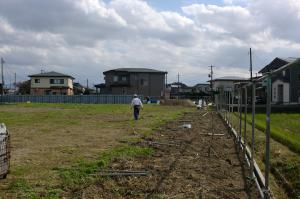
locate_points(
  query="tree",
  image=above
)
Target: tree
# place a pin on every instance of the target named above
(24, 87)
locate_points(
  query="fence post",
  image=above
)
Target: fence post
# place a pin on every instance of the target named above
(225, 105)
(253, 129)
(268, 120)
(232, 107)
(245, 120)
(240, 115)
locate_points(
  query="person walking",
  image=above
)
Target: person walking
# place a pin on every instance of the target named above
(136, 104)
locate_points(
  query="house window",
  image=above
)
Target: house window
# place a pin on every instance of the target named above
(124, 78)
(37, 81)
(283, 73)
(56, 81)
(115, 78)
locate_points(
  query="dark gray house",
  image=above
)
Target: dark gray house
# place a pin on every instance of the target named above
(286, 81)
(142, 81)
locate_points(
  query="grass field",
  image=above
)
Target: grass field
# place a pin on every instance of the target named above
(56, 146)
(284, 149)
(285, 128)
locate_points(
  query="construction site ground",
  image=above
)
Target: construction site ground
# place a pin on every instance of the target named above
(186, 163)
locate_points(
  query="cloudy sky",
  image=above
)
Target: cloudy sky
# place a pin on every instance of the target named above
(83, 38)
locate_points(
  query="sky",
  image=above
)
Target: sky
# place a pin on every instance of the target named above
(84, 38)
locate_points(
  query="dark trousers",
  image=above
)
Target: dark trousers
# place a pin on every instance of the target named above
(136, 112)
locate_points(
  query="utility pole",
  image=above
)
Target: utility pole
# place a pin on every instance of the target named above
(251, 65)
(178, 86)
(211, 78)
(15, 81)
(166, 79)
(2, 75)
(212, 112)
(87, 83)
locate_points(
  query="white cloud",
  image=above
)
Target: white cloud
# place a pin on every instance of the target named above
(86, 37)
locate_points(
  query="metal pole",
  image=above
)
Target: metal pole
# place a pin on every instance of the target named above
(212, 111)
(250, 64)
(268, 120)
(228, 111)
(211, 85)
(252, 130)
(2, 75)
(178, 86)
(229, 116)
(232, 108)
(240, 114)
(253, 94)
(15, 81)
(245, 120)
(226, 104)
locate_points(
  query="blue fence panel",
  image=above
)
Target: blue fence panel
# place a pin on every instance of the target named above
(83, 99)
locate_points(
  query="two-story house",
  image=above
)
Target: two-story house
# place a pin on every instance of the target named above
(142, 81)
(286, 82)
(51, 83)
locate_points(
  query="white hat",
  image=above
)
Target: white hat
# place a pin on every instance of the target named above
(135, 95)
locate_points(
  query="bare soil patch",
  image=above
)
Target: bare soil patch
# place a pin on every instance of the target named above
(181, 166)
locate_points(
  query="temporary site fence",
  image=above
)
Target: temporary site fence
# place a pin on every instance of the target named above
(4, 151)
(232, 102)
(81, 99)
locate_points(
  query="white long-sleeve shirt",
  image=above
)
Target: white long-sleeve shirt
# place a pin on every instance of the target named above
(136, 102)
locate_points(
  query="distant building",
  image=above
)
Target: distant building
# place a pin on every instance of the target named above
(78, 89)
(286, 83)
(100, 88)
(179, 90)
(201, 88)
(51, 83)
(127, 81)
(226, 83)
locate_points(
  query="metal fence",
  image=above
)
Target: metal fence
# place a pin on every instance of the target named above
(81, 99)
(231, 104)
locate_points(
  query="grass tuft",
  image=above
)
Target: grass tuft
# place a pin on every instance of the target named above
(79, 175)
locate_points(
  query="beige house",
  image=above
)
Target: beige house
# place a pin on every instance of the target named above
(51, 83)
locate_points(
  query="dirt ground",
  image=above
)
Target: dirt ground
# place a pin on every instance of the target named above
(187, 163)
(45, 137)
